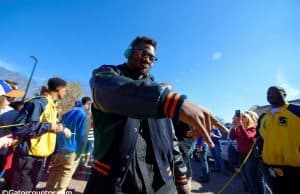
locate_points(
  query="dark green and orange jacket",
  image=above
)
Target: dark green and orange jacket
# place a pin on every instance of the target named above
(121, 101)
(280, 133)
(35, 138)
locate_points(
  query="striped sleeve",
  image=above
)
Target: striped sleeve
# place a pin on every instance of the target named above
(180, 168)
(171, 103)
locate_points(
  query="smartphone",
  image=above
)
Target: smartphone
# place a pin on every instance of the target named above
(238, 113)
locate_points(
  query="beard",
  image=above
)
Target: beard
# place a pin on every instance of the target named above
(137, 73)
(144, 71)
(276, 102)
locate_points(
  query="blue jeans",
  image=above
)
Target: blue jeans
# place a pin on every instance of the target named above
(193, 147)
(216, 153)
(204, 162)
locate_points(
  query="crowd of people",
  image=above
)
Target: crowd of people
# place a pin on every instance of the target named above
(142, 133)
(33, 133)
(267, 147)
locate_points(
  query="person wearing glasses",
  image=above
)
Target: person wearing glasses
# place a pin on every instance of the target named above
(135, 149)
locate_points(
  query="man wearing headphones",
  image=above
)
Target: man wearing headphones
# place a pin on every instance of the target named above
(279, 128)
(135, 149)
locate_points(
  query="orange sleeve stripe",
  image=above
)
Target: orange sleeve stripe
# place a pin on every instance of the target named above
(181, 177)
(102, 164)
(181, 181)
(175, 102)
(105, 173)
(167, 102)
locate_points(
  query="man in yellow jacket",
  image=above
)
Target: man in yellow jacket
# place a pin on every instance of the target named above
(37, 136)
(279, 128)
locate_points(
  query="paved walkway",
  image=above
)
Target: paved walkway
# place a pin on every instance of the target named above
(79, 180)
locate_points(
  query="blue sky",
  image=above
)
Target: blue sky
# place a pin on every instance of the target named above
(222, 54)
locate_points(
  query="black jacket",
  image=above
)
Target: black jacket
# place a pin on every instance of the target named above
(120, 102)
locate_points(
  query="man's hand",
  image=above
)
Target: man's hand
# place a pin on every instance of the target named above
(67, 132)
(56, 127)
(199, 148)
(184, 189)
(200, 119)
(221, 127)
(236, 122)
(6, 141)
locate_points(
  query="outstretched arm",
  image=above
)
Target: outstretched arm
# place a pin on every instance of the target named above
(118, 94)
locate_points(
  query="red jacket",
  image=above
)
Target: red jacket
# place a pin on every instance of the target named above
(245, 138)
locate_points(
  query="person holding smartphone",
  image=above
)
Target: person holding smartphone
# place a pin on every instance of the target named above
(244, 131)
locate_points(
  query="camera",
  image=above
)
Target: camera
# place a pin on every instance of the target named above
(238, 113)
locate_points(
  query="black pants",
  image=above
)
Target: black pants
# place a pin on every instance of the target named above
(288, 183)
(184, 147)
(27, 172)
(99, 184)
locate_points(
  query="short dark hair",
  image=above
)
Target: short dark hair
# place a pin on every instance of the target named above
(56, 82)
(85, 99)
(44, 90)
(143, 39)
(279, 89)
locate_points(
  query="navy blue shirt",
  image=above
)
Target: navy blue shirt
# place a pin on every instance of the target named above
(215, 139)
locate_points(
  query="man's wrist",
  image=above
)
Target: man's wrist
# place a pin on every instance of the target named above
(61, 127)
(171, 103)
(58, 128)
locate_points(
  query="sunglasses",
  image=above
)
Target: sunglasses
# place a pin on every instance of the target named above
(144, 53)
